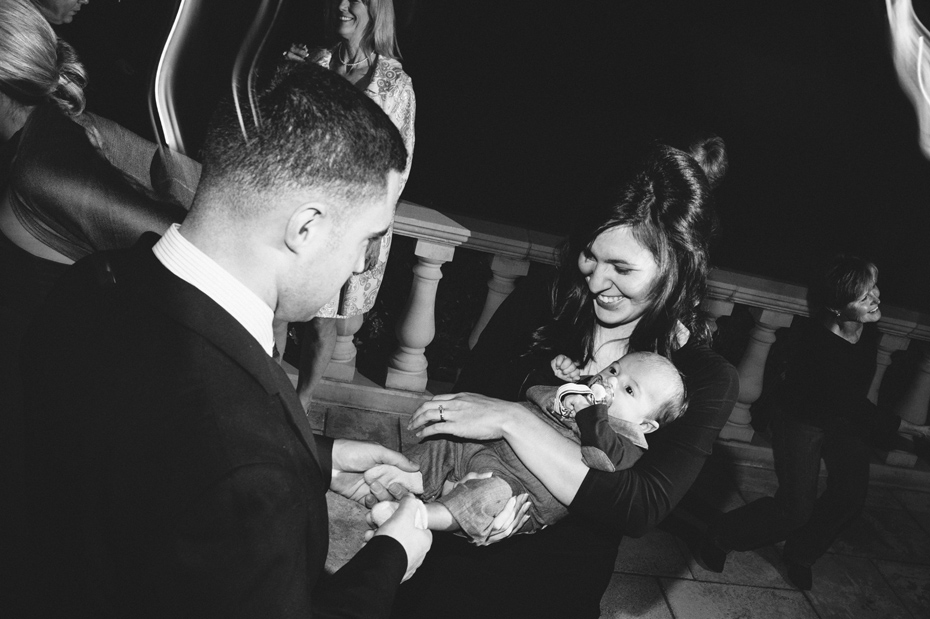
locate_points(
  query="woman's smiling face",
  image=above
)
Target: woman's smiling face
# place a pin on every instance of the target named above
(620, 273)
(352, 19)
(865, 308)
(60, 11)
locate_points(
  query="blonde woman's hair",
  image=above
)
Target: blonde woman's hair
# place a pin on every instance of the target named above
(380, 34)
(35, 65)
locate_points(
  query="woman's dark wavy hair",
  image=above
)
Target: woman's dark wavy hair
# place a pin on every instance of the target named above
(669, 208)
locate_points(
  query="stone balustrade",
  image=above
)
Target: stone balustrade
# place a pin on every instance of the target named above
(772, 305)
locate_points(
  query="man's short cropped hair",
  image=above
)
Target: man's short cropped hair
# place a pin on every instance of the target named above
(319, 134)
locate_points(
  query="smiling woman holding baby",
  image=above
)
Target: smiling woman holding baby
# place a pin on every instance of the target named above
(632, 277)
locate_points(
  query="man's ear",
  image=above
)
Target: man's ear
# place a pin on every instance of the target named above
(649, 425)
(305, 226)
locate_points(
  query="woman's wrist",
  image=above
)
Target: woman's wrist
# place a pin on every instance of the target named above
(514, 420)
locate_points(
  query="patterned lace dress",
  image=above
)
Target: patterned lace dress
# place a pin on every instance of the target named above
(392, 90)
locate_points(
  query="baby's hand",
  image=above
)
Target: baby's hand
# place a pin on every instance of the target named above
(574, 403)
(565, 369)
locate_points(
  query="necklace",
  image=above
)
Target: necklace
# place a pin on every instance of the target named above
(351, 65)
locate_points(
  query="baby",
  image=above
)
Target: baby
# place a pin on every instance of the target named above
(636, 395)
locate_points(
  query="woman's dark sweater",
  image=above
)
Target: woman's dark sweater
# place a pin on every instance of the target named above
(827, 383)
(563, 570)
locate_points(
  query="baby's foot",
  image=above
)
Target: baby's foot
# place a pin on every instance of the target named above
(382, 511)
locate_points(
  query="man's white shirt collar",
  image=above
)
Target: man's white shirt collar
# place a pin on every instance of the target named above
(183, 259)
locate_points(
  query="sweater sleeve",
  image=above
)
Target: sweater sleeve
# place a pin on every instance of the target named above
(601, 447)
(633, 501)
(828, 380)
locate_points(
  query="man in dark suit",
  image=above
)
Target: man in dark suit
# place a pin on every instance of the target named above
(172, 470)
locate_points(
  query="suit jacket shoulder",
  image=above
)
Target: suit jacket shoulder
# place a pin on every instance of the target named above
(178, 474)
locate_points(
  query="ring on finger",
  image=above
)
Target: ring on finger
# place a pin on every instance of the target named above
(441, 418)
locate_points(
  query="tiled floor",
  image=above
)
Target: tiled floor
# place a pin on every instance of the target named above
(879, 568)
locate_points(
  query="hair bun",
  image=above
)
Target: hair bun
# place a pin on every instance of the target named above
(711, 154)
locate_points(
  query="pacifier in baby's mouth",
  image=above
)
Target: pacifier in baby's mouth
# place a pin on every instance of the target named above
(603, 392)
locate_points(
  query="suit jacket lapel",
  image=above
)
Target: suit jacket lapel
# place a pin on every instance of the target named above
(198, 312)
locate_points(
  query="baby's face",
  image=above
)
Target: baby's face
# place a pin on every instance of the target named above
(634, 387)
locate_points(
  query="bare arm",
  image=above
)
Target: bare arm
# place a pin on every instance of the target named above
(631, 501)
(554, 459)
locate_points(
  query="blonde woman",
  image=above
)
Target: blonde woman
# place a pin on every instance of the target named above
(60, 199)
(366, 54)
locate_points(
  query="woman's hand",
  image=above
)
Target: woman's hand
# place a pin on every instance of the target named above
(466, 415)
(553, 458)
(509, 520)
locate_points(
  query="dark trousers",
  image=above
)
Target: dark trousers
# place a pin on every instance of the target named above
(809, 524)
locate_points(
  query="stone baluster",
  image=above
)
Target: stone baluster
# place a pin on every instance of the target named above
(342, 364)
(751, 368)
(911, 406)
(417, 327)
(914, 403)
(887, 344)
(504, 273)
(716, 308)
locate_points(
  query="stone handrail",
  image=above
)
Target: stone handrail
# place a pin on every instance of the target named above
(426, 224)
(772, 304)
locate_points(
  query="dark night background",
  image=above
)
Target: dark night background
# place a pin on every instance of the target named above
(528, 111)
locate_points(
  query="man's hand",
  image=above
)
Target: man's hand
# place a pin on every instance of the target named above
(387, 480)
(351, 459)
(565, 369)
(408, 526)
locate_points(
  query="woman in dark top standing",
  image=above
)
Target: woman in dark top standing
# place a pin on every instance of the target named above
(632, 278)
(823, 412)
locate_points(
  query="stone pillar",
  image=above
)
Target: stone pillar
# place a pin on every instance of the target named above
(716, 308)
(751, 368)
(913, 407)
(417, 327)
(342, 364)
(916, 399)
(887, 344)
(504, 272)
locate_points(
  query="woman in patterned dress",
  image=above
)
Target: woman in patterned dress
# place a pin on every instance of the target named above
(366, 54)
